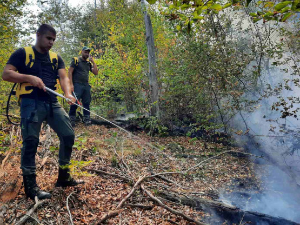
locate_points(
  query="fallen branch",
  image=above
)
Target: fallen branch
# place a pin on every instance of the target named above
(170, 181)
(145, 207)
(70, 215)
(28, 214)
(225, 211)
(170, 209)
(109, 174)
(6, 157)
(172, 222)
(131, 192)
(116, 212)
(110, 215)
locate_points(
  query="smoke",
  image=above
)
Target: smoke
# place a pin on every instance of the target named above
(278, 140)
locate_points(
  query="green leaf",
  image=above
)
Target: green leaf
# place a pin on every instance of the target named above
(282, 5)
(198, 2)
(227, 5)
(195, 18)
(286, 16)
(151, 1)
(176, 3)
(248, 2)
(255, 19)
(285, 9)
(204, 8)
(269, 4)
(198, 10)
(295, 4)
(178, 27)
(253, 14)
(185, 6)
(216, 7)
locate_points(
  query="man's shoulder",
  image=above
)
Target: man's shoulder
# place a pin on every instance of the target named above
(20, 51)
(17, 58)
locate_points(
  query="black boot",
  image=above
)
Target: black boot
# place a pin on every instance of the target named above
(31, 188)
(73, 121)
(65, 179)
(87, 121)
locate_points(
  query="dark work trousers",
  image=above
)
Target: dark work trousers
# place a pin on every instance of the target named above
(33, 113)
(83, 93)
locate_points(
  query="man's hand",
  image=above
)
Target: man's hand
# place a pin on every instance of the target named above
(91, 59)
(36, 82)
(71, 97)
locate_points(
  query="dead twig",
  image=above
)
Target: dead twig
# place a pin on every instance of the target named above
(6, 157)
(70, 215)
(170, 209)
(145, 207)
(132, 191)
(117, 211)
(122, 158)
(110, 215)
(109, 174)
(173, 222)
(170, 181)
(28, 214)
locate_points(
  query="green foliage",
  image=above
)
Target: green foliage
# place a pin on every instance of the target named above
(4, 141)
(153, 126)
(10, 32)
(186, 11)
(76, 167)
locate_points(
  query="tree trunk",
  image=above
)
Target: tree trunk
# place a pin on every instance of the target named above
(154, 108)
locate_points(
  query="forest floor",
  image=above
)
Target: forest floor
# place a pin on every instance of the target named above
(128, 175)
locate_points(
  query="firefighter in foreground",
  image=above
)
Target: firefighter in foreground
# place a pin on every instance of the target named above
(34, 68)
(79, 77)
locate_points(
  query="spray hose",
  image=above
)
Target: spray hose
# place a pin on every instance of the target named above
(131, 135)
(79, 105)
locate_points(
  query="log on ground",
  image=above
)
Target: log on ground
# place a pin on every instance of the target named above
(227, 212)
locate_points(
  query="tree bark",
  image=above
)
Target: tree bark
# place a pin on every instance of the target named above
(154, 108)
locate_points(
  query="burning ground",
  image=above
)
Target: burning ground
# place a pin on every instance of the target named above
(177, 180)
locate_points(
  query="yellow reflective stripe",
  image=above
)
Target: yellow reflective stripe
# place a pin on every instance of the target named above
(29, 52)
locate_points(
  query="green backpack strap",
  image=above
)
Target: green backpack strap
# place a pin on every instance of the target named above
(30, 57)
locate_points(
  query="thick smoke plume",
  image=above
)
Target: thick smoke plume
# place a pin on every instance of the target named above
(278, 140)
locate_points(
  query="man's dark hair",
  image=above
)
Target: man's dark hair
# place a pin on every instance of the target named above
(44, 28)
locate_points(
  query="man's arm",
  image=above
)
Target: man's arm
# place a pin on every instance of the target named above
(65, 84)
(70, 75)
(94, 66)
(10, 74)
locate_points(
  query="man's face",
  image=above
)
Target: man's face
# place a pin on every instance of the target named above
(85, 54)
(46, 41)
